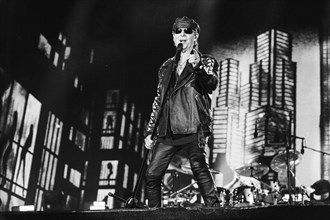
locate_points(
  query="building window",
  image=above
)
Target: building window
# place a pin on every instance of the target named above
(56, 56)
(108, 173)
(75, 177)
(126, 172)
(122, 127)
(80, 140)
(112, 98)
(44, 46)
(120, 146)
(107, 142)
(109, 122)
(76, 82)
(49, 157)
(19, 119)
(91, 58)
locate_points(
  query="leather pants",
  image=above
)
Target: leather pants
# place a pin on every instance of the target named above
(161, 157)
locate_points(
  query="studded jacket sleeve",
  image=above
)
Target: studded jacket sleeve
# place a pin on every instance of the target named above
(207, 73)
(155, 106)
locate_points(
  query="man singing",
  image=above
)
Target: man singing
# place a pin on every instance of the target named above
(180, 118)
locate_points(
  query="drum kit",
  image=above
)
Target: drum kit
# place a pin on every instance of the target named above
(179, 187)
(186, 196)
(247, 189)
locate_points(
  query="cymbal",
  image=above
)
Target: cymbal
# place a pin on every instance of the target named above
(254, 169)
(242, 181)
(279, 162)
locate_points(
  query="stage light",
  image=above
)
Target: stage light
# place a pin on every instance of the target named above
(295, 198)
(97, 205)
(23, 208)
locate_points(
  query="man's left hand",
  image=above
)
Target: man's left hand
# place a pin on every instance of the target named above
(194, 58)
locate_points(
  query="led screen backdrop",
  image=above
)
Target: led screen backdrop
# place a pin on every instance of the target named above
(19, 119)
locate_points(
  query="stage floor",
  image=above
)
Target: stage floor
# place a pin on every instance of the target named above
(282, 212)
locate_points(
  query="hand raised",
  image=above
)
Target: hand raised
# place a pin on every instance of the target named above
(194, 58)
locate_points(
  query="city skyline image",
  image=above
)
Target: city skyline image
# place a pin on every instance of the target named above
(305, 52)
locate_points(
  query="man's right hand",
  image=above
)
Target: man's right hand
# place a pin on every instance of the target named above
(148, 142)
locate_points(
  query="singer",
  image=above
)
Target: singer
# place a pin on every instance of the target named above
(180, 118)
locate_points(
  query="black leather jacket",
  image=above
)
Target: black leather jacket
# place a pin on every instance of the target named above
(190, 104)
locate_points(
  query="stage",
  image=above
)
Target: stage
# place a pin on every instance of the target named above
(316, 212)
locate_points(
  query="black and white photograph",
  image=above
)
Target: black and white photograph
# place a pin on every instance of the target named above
(164, 109)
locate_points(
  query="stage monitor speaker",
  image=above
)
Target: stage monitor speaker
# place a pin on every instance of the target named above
(53, 201)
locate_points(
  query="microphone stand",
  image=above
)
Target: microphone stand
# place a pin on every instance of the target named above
(322, 152)
(184, 188)
(288, 146)
(288, 171)
(131, 202)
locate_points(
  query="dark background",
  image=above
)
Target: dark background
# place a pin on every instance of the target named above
(133, 38)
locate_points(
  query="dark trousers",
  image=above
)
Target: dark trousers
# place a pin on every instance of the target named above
(162, 156)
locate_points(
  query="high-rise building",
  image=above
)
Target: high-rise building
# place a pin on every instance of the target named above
(256, 120)
(227, 141)
(271, 116)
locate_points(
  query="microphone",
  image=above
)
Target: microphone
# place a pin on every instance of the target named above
(255, 134)
(177, 54)
(302, 150)
(179, 47)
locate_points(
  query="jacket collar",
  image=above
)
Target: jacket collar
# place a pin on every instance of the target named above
(187, 73)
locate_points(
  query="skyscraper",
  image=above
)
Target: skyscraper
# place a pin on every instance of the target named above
(257, 120)
(227, 138)
(271, 109)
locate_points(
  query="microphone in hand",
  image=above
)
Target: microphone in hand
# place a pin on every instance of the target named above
(179, 47)
(178, 53)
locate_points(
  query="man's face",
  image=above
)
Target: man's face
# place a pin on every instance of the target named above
(186, 36)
